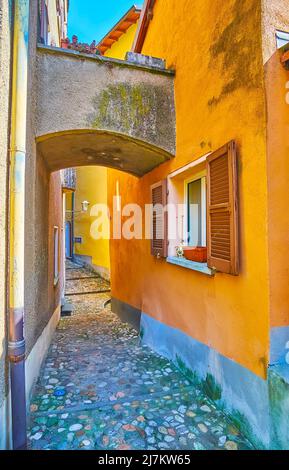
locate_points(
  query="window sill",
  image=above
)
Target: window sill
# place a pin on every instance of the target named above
(193, 265)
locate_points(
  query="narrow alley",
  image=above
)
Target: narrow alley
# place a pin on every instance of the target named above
(100, 388)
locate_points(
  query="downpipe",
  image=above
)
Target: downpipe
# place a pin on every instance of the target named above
(16, 343)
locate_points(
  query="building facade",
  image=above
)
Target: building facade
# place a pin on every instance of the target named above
(43, 201)
(228, 332)
(210, 130)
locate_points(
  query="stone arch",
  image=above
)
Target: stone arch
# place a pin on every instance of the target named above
(84, 147)
(100, 111)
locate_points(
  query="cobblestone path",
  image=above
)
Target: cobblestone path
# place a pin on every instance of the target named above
(99, 388)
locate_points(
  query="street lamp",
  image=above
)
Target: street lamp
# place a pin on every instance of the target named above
(85, 205)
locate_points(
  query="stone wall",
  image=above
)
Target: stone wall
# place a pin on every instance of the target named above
(103, 111)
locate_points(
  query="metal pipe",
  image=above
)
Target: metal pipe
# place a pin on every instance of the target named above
(16, 344)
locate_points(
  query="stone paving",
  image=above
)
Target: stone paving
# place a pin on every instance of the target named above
(100, 388)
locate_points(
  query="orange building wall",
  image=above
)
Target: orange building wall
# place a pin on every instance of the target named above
(277, 84)
(216, 50)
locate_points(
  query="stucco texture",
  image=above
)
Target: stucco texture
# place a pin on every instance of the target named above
(216, 50)
(109, 109)
(43, 210)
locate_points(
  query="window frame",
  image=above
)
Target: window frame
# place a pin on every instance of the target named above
(281, 36)
(202, 175)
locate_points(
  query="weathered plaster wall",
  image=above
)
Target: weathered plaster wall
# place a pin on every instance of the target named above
(219, 94)
(5, 51)
(104, 95)
(43, 197)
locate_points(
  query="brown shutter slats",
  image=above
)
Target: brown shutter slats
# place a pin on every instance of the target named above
(159, 241)
(222, 210)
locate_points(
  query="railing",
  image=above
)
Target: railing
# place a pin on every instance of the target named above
(68, 179)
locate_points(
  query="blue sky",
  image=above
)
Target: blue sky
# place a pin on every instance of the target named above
(92, 19)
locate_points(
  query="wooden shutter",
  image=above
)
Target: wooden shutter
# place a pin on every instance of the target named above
(222, 210)
(159, 235)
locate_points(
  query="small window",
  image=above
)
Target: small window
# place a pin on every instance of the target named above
(56, 255)
(282, 38)
(196, 212)
(203, 213)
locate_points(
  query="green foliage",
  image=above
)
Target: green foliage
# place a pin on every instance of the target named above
(128, 104)
(211, 388)
(188, 373)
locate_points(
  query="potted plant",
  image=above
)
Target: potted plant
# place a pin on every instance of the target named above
(195, 253)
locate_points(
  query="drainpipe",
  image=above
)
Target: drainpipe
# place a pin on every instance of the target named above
(16, 344)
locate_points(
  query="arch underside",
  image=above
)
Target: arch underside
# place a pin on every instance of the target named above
(86, 147)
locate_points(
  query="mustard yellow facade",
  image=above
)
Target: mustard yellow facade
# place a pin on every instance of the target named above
(119, 49)
(211, 84)
(91, 187)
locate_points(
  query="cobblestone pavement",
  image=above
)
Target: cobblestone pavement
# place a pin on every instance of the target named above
(99, 388)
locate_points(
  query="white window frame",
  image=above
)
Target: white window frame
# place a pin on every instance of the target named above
(199, 176)
(282, 38)
(56, 256)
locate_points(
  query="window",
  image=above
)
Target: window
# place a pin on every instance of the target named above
(56, 254)
(282, 38)
(195, 217)
(202, 214)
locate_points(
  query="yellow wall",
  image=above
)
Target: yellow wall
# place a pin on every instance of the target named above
(91, 186)
(277, 79)
(68, 201)
(216, 50)
(123, 45)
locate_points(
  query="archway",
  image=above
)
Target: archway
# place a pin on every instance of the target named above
(86, 147)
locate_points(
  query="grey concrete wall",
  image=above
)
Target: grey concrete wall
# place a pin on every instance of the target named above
(5, 45)
(78, 92)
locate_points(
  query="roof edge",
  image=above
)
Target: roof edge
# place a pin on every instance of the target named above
(133, 9)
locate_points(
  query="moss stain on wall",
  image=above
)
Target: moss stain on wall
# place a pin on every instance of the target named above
(232, 51)
(124, 104)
